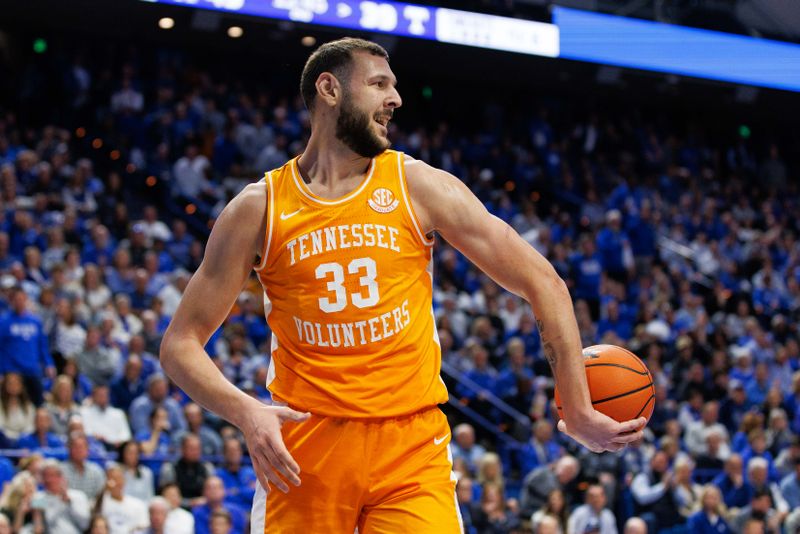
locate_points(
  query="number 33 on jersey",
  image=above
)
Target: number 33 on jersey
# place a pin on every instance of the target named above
(350, 289)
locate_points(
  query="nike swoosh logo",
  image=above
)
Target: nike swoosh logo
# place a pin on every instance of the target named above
(285, 215)
(438, 441)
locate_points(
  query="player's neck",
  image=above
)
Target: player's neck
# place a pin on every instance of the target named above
(329, 163)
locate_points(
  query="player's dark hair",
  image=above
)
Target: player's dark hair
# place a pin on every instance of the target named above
(335, 57)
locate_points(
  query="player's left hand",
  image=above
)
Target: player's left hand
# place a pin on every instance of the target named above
(598, 432)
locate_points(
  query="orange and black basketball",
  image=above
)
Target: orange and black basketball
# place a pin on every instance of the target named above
(620, 384)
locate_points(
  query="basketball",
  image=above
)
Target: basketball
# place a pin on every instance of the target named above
(620, 384)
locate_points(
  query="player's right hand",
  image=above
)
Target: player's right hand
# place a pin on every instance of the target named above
(262, 432)
(599, 433)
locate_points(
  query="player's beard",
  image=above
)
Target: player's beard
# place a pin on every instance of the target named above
(353, 128)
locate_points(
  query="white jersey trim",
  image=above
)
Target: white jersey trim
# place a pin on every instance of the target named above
(258, 512)
(407, 198)
(270, 215)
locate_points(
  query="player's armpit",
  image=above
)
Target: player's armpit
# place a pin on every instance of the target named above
(230, 253)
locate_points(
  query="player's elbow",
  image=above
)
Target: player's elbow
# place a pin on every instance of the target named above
(549, 287)
(168, 350)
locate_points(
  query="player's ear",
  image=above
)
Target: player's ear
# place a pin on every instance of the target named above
(329, 90)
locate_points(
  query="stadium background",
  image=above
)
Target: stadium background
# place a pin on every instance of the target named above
(668, 203)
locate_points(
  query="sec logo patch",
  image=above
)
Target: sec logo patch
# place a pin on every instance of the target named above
(383, 200)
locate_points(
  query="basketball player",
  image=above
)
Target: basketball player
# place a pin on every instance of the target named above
(341, 240)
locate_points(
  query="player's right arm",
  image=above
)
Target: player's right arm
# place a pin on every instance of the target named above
(236, 240)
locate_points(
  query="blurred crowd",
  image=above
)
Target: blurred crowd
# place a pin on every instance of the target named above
(680, 248)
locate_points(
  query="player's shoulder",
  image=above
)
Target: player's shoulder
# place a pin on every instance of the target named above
(252, 196)
(421, 175)
(246, 208)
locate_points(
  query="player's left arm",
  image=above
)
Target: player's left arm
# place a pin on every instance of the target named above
(445, 205)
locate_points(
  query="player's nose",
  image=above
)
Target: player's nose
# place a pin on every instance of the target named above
(394, 100)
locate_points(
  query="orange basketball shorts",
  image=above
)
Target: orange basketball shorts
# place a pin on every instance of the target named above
(382, 476)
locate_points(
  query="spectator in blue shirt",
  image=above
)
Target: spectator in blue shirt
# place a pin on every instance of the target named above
(541, 449)
(587, 271)
(130, 385)
(24, 346)
(736, 490)
(506, 385)
(464, 447)
(613, 246)
(156, 395)
(210, 440)
(155, 440)
(482, 375)
(710, 519)
(42, 437)
(790, 487)
(239, 480)
(214, 493)
(613, 322)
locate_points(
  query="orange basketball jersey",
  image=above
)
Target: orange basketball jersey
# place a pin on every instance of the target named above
(349, 293)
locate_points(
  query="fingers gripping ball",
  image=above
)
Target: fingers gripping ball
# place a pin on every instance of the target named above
(620, 384)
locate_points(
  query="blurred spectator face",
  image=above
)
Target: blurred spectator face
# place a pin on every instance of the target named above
(710, 412)
(13, 385)
(713, 441)
(635, 525)
(758, 441)
(753, 526)
(52, 479)
(761, 503)
(543, 431)
(150, 214)
(19, 301)
(194, 415)
(136, 344)
(733, 467)
(140, 280)
(492, 497)
(116, 481)
(130, 454)
(596, 498)
(159, 419)
(566, 470)
(220, 524)
(465, 436)
(158, 514)
(548, 525)
(133, 368)
(683, 472)
(158, 389)
(757, 476)
(100, 396)
(63, 391)
(191, 450)
(178, 229)
(78, 449)
(42, 422)
(711, 499)
(172, 494)
(93, 338)
(214, 491)
(232, 452)
(660, 462)
(464, 490)
(480, 357)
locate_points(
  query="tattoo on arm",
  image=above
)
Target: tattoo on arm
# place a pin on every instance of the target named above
(547, 348)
